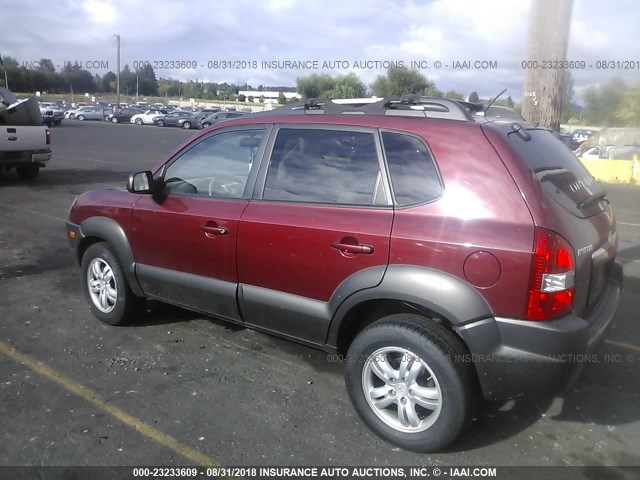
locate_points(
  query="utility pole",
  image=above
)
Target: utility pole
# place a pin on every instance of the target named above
(549, 24)
(118, 75)
(136, 87)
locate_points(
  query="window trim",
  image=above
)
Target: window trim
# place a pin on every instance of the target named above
(253, 173)
(433, 161)
(261, 181)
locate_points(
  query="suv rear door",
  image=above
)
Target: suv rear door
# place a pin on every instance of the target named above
(317, 229)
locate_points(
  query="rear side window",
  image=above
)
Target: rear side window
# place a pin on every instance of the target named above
(414, 177)
(562, 175)
(324, 166)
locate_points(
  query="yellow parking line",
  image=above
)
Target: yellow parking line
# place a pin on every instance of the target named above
(623, 345)
(94, 399)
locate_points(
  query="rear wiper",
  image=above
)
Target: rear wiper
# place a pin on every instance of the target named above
(594, 198)
(544, 169)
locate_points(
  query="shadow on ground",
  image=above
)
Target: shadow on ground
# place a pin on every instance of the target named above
(51, 177)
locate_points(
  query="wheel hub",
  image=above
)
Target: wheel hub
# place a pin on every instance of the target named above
(401, 389)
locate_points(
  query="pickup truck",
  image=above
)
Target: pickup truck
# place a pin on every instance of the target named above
(25, 143)
(51, 114)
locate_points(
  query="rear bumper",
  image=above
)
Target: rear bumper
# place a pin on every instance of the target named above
(16, 159)
(520, 357)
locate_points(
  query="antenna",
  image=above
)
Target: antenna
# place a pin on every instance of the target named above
(494, 99)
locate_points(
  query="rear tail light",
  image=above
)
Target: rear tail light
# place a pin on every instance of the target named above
(552, 277)
(47, 135)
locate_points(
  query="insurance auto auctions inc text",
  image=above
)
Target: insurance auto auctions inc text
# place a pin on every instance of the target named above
(376, 472)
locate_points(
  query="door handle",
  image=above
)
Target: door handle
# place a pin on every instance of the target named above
(349, 248)
(211, 230)
(12, 139)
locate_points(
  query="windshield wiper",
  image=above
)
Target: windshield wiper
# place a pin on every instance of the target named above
(594, 198)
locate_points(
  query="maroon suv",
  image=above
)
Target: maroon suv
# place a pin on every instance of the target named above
(442, 254)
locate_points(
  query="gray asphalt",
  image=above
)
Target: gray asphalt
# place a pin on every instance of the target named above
(237, 396)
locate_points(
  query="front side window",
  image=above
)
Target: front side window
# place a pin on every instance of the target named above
(324, 166)
(216, 167)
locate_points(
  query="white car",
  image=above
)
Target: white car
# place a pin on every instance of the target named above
(592, 153)
(147, 117)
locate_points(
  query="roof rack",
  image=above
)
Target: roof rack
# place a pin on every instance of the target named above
(406, 105)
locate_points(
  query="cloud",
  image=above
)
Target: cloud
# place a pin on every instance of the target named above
(383, 30)
(101, 12)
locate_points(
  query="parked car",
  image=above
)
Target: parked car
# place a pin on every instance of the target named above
(609, 152)
(205, 111)
(185, 120)
(581, 135)
(88, 113)
(592, 153)
(364, 233)
(123, 115)
(147, 117)
(51, 113)
(623, 152)
(566, 137)
(217, 117)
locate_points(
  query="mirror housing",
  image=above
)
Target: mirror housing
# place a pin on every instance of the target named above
(141, 182)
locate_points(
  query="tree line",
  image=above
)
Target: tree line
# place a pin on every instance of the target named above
(613, 104)
(397, 81)
(43, 76)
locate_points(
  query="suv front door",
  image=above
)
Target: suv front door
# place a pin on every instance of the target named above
(184, 239)
(317, 230)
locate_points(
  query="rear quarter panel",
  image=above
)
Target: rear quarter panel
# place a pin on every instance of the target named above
(481, 210)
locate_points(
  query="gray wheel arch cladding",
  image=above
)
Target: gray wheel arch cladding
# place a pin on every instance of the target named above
(113, 233)
(447, 296)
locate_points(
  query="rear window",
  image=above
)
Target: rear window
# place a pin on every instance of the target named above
(413, 173)
(561, 174)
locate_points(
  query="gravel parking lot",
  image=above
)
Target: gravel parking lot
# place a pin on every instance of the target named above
(181, 389)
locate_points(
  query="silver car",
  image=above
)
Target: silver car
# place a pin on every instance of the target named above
(89, 113)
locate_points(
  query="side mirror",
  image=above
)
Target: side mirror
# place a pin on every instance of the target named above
(141, 182)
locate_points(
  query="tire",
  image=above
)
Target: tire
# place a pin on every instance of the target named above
(114, 119)
(28, 172)
(138, 121)
(442, 375)
(186, 125)
(80, 117)
(160, 123)
(206, 124)
(57, 123)
(106, 118)
(110, 296)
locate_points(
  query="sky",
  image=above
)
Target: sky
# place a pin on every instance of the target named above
(247, 38)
